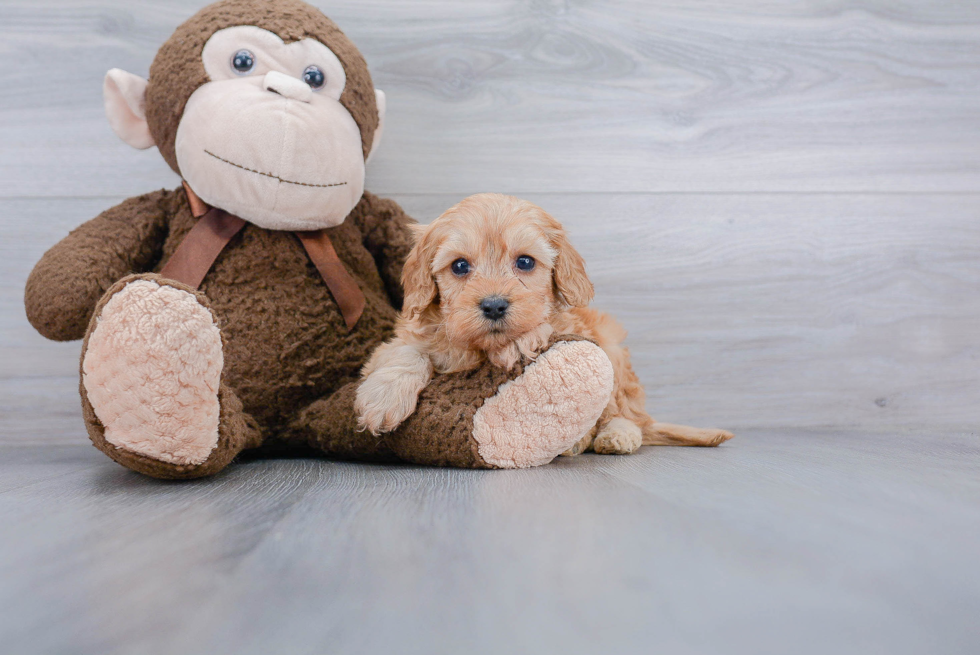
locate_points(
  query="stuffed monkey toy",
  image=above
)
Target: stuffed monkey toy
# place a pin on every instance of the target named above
(236, 311)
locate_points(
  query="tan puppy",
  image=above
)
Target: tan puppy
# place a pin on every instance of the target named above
(494, 277)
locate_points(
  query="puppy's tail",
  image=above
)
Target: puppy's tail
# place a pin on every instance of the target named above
(668, 434)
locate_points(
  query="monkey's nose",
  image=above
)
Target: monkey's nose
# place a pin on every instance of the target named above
(494, 307)
(287, 87)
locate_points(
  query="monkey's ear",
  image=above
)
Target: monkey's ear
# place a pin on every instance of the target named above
(125, 107)
(379, 97)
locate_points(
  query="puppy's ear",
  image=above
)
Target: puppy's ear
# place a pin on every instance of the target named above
(571, 281)
(417, 279)
(418, 231)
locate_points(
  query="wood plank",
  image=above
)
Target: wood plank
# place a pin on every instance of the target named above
(110, 539)
(816, 541)
(743, 311)
(32, 464)
(626, 96)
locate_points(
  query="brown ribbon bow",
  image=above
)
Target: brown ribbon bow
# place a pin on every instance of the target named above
(196, 254)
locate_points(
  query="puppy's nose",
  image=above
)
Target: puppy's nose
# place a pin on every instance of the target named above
(494, 307)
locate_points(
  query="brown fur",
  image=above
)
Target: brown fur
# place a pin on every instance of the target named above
(443, 329)
(286, 343)
(177, 70)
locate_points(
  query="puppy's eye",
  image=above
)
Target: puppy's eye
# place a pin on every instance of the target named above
(460, 267)
(525, 263)
(243, 61)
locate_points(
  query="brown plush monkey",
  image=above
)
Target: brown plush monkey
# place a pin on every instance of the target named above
(236, 312)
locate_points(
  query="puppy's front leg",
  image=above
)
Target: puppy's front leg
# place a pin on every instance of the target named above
(393, 379)
(534, 341)
(529, 345)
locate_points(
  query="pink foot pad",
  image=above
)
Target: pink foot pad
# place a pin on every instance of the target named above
(546, 410)
(152, 370)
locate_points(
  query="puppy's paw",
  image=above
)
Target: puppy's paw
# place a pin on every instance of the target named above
(382, 406)
(505, 357)
(532, 343)
(393, 380)
(618, 437)
(581, 445)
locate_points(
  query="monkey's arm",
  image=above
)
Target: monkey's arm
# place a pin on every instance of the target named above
(68, 281)
(388, 237)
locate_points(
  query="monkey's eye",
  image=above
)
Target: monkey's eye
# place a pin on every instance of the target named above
(314, 77)
(243, 61)
(460, 267)
(525, 263)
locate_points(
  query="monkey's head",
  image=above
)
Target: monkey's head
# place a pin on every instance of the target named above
(263, 107)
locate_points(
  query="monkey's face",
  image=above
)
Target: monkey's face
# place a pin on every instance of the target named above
(269, 130)
(267, 138)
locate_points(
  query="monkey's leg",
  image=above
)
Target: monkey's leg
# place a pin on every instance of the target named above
(152, 394)
(492, 419)
(330, 426)
(485, 418)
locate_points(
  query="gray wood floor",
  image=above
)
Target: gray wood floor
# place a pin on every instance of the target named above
(781, 201)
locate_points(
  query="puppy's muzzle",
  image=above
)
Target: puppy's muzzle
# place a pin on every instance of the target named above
(494, 307)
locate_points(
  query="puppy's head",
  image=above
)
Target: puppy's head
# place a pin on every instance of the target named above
(492, 268)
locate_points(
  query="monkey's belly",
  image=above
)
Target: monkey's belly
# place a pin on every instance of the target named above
(285, 341)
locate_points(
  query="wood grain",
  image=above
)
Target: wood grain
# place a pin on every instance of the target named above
(559, 96)
(813, 541)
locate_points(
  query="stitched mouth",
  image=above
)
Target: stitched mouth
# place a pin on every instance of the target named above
(274, 177)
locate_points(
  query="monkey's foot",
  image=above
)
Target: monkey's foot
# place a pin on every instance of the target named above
(151, 371)
(553, 404)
